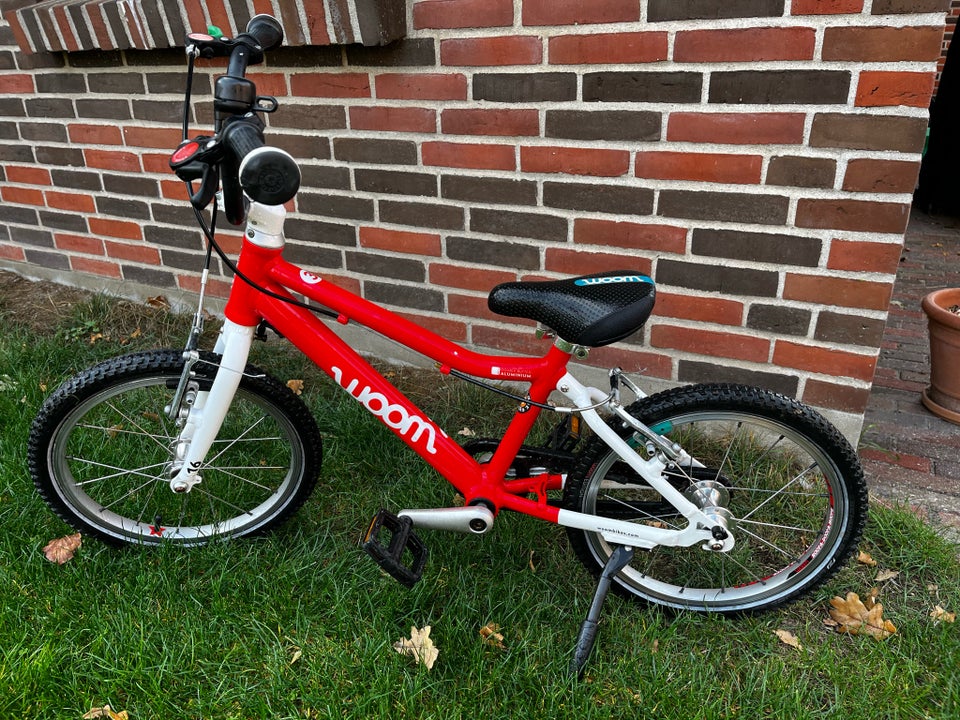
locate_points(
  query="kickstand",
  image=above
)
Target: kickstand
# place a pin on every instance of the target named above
(618, 560)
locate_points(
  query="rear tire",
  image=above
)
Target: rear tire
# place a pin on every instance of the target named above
(793, 486)
(101, 454)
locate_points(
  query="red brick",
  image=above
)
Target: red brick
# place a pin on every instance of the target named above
(523, 342)
(12, 252)
(394, 119)
(703, 167)
(400, 241)
(473, 306)
(463, 13)
(468, 278)
(454, 330)
(17, 85)
(882, 44)
(575, 161)
(882, 89)
(27, 175)
(269, 83)
(215, 288)
(22, 196)
(75, 202)
(911, 462)
(737, 128)
(710, 342)
(577, 12)
(134, 253)
(164, 138)
(853, 215)
(634, 236)
(154, 163)
(112, 160)
(78, 243)
(891, 176)
(422, 86)
(577, 262)
(94, 267)
(116, 228)
(340, 85)
(505, 122)
(842, 292)
(173, 189)
(509, 50)
(749, 45)
(95, 134)
(645, 363)
(608, 48)
(829, 361)
(700, 308)
(833, 395)
(469, 155)
(863, 256)
(826, 7)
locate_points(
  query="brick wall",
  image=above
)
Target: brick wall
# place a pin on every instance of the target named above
(757, 157)
(953, 13)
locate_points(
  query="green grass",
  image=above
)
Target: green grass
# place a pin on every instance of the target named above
(300, 624)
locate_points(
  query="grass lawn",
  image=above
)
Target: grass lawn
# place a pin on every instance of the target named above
(300, 624)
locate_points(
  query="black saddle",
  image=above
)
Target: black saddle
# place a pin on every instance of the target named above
(591, 310)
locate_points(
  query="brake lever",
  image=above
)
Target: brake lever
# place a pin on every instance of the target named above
(198, 159)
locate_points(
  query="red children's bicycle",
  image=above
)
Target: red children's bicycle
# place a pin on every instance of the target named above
(719, 498)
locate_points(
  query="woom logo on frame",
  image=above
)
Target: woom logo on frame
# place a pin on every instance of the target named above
(394, 416)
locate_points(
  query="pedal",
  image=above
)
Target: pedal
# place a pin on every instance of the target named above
(403, 556)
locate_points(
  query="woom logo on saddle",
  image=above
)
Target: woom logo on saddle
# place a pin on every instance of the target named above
(613, 279)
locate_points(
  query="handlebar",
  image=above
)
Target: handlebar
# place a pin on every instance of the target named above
(267, 175)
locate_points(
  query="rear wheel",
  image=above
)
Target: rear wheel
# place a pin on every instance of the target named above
(787, 482)
(102, 452)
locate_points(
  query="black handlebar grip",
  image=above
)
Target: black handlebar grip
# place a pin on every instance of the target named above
(267, 175)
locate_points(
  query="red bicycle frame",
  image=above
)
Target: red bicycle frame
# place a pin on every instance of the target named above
(267, 279)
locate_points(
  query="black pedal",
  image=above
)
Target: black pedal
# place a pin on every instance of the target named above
(404, 555)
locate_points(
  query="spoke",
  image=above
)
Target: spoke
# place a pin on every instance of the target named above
(792, 528)
(135, 424)
(241, 478)
(767, 543)
(130, 493)
(141, 471)
(211, 497)
(640, 512)
(234, 441)
(781, 490)
(726, 454)
(153, 490)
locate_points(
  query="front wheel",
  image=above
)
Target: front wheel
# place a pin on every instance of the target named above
(788, 484)
(102, 452)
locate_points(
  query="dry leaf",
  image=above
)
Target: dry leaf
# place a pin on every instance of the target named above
(105, 712)
(788, 638)
(159, 302)
(419, 646)
(297, 654)
(296, 386)
(113, 430)
(62, 549)
(938, 614)
(466, 432)
(533, 568)
(656, 646)
(136, 333)
(95, 337)
(885, 575)
(854, 617)
(491, 635)
(864, 559)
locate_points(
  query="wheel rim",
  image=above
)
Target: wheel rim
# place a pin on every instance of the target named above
(111, 459)
(788, 502)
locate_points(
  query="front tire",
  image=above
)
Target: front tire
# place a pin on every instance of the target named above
(790, 481)
(101, 454)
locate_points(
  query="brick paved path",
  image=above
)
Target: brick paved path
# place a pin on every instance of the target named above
(909, 454)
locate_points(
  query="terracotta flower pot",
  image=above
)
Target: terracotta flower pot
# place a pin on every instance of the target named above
(942, 398)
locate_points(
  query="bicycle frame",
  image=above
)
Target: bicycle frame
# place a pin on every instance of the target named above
(261, 261)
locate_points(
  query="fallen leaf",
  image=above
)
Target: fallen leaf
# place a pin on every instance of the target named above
(159, 302)
(62, 549)
(938, 614)
(136, 333)
(113, 430)
(885, 575)
(656, 646)
(95, 337)
(788, 638)
(105, 712)
(466, 432)
(296, 386)
(297, 654)
(864, 559)
(419, 646)
(533, 568)
(491, 635)
(854, 617)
